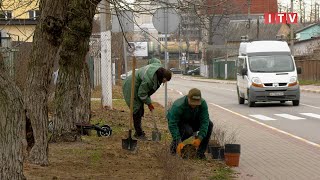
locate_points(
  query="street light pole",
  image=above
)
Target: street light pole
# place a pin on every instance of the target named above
(166, 55)
(291, 31)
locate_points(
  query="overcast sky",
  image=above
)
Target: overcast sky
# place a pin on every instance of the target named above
(297, 4)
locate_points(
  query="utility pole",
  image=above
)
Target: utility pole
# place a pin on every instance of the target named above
(249, 11)
(304, 12)
(316, 14)
(106, 64)
(166, 54)
(311, 13)
(300, 12)
(291, 31)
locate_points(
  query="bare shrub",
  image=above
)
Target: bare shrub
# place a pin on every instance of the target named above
(221, 135)
(174, 167)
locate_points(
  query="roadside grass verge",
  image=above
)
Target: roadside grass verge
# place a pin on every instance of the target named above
(309, 82)
(222, 172)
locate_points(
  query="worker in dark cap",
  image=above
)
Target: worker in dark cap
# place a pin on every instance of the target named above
(147, 81)
(189, 116)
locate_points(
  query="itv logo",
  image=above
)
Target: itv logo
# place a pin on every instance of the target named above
(278, 18)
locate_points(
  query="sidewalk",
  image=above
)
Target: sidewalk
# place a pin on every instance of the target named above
(266, 153)
(303, 88)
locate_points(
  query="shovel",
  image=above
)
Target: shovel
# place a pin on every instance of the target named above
(156, 135)
(129, 143)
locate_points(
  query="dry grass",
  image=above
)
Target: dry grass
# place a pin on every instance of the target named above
(116, 92)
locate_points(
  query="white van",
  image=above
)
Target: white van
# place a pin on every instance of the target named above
(266, 71)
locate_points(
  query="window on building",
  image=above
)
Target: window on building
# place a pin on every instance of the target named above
(5, 15)
(34, 14)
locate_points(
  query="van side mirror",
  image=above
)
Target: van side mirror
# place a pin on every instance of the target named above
(244, 71)
(299, 70)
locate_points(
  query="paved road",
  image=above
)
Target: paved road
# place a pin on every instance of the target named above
(278, 141)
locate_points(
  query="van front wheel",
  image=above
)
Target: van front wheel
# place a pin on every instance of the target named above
(250, 103)
(295, 102)
(240, 99)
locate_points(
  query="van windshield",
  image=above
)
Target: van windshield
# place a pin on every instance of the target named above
(271, 63)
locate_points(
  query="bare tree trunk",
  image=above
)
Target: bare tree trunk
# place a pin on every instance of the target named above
(12, 117)
(72, 96)
(83, 109)
(47, 39)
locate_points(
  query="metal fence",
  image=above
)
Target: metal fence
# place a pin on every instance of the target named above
(8, 59)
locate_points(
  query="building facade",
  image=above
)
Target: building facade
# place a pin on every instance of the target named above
(18, 19)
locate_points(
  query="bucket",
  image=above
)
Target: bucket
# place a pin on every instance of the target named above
(217, 152)
(232, 154)
(232, 159)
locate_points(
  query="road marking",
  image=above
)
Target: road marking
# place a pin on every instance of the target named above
(176, 91)
(311, 106)
(270, 127)
(311, 115)
(288, 116)
(262, 117)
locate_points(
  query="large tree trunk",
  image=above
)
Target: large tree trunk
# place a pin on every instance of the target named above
(72, 95)
(46, 42)
(12, 117)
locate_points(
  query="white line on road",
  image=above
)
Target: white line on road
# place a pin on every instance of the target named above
(310, 106)
(311, 115)
(273, 128)
(176, 91)
(288, 116)
(262, 117)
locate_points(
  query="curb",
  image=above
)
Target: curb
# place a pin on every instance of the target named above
(310, 90)
(233, 82)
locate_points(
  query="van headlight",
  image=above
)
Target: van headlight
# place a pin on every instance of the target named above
(293, 81)
(256, 82)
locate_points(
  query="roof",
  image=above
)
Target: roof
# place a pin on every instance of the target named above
(306, 27)
(18, 22)
(239, 28)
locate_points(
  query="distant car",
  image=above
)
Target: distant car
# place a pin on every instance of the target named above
(176, 70)
(195, 71)
(123, 76)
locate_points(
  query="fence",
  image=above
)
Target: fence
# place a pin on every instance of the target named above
(8, 58)
(217, 68)
(310, 69)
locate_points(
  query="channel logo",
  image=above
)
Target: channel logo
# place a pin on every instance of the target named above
(280, 18)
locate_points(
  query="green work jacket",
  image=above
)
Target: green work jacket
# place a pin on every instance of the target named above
(181, 112)
(146, 83)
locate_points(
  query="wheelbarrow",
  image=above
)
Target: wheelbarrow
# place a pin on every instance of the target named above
(104, 130)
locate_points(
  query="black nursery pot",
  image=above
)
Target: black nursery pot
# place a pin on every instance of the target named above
(217, 152)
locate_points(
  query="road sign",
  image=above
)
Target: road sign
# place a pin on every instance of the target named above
(166, 20)
(140, 49)
(122, 21)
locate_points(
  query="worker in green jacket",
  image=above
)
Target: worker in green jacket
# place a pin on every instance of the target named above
(147, 81)
(154, 60)
(188, 115)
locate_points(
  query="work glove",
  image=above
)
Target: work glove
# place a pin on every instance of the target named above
(151, 107)
(196, 142)
(179, 148)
